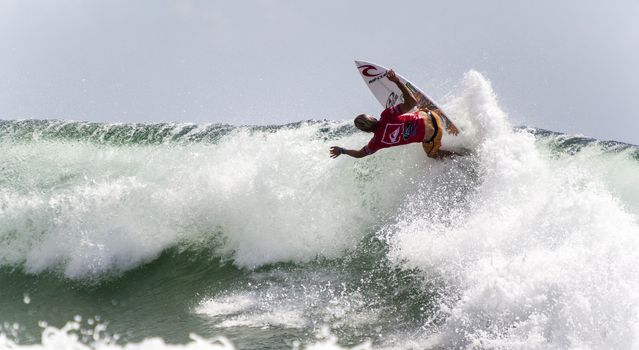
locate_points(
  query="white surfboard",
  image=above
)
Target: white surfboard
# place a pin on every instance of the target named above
(388, 94)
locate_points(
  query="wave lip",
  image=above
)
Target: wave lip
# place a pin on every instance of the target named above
(30, 130)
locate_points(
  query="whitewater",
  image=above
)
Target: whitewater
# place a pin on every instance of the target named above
(153, 236)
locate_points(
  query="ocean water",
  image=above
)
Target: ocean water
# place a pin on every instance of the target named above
(163, 236)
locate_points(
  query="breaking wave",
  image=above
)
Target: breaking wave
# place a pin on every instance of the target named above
(531, 241)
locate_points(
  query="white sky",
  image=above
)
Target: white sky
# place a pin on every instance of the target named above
(570, 66)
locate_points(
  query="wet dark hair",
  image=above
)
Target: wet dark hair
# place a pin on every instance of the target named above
(366, 123)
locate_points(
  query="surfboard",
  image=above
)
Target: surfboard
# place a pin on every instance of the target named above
(388, 94)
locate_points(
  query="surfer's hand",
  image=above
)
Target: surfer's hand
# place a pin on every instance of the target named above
(452, 129)
(391, 76)
(335, 151)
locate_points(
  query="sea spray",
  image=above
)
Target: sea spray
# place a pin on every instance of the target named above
(541, 258)
(261, 197)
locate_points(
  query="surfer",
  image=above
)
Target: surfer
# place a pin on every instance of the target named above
(398, 126)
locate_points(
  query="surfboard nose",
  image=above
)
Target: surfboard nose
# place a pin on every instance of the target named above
(361, 63)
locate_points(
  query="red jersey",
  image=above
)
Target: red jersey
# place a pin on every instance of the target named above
(394, 129)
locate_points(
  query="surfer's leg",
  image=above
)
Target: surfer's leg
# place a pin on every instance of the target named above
(432, 147)
(433, 151)
(428, 148)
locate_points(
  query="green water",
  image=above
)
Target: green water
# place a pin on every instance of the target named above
(158, 299)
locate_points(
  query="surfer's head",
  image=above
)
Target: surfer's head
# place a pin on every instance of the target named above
(366, 123)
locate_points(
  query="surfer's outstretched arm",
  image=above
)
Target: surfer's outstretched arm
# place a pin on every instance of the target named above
(337, 151)
(409, 99)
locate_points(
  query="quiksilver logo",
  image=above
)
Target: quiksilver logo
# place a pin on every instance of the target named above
(392, 133)
(394, 136)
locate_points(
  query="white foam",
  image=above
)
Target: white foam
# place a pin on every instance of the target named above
(226, 305)
(329, 342)
(294, 299)
(248, 309)
(543, 256)
(71, 336)
(279, 318)
(267, 197)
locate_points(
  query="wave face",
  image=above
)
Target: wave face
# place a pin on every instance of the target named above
(531, 241)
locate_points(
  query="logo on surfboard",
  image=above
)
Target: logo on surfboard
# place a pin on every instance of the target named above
(392, 99)
(367, 70)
